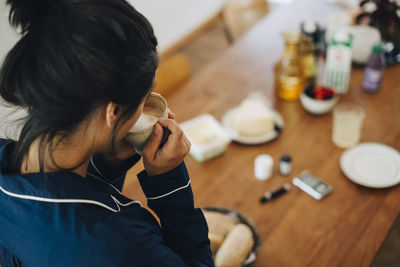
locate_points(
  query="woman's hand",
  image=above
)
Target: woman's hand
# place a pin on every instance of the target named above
(124, 150)
(171, 115)
(160, 160)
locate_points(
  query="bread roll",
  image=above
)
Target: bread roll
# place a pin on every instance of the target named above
(219, 223)
(253, 118)
(215, 242)
(235, 248)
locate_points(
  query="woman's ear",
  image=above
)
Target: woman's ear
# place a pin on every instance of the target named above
(113, 111)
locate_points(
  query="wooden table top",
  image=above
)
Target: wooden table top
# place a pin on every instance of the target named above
(348, 226)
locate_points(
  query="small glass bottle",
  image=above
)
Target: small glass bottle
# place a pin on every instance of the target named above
(373, 70)
(308, 59)
(310, 28)
(289, 75)
(285, 165)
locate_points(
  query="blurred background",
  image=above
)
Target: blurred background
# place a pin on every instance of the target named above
(194, 33)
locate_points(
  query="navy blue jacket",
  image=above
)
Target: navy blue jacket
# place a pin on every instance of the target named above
(62, 219)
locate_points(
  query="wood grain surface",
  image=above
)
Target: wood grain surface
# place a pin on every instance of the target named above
(347, 227)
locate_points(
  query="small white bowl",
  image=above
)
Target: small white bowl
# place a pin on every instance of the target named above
(316, 106)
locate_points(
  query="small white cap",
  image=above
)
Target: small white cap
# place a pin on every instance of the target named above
(310, 26)
(370, 7)
(263, 165)
(342, 36)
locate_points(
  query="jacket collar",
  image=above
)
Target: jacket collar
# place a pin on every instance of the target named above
(59, 187)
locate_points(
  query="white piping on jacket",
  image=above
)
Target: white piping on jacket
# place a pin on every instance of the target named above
(55, 200)
(127, 204)
(150, 198)
(169, 193)
(116, 189)
(94, 166)
(82, 201)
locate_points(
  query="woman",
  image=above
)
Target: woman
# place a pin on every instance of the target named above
(83, 69)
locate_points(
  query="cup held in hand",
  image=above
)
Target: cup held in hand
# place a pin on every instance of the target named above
(155, 107)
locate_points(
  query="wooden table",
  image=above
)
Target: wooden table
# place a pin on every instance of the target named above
(347, 227)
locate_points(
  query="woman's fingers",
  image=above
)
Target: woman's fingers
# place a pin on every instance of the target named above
(174, 142)
(154, 142)
(158, 160)
(171, 115)
(177, 141)
(170, 124)
(187, 143)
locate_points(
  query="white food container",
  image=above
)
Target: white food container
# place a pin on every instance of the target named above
(207, 136)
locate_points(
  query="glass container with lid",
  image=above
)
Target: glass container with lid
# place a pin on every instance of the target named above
(289, 76)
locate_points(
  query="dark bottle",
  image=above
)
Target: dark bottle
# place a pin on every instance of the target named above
(311, 29)
(373, 70)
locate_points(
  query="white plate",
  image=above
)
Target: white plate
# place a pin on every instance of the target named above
(227, 122)
(372, 165)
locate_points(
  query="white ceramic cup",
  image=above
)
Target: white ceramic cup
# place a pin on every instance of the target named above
(155, 107)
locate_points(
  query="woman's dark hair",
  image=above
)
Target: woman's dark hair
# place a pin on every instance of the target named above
(75, 56)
